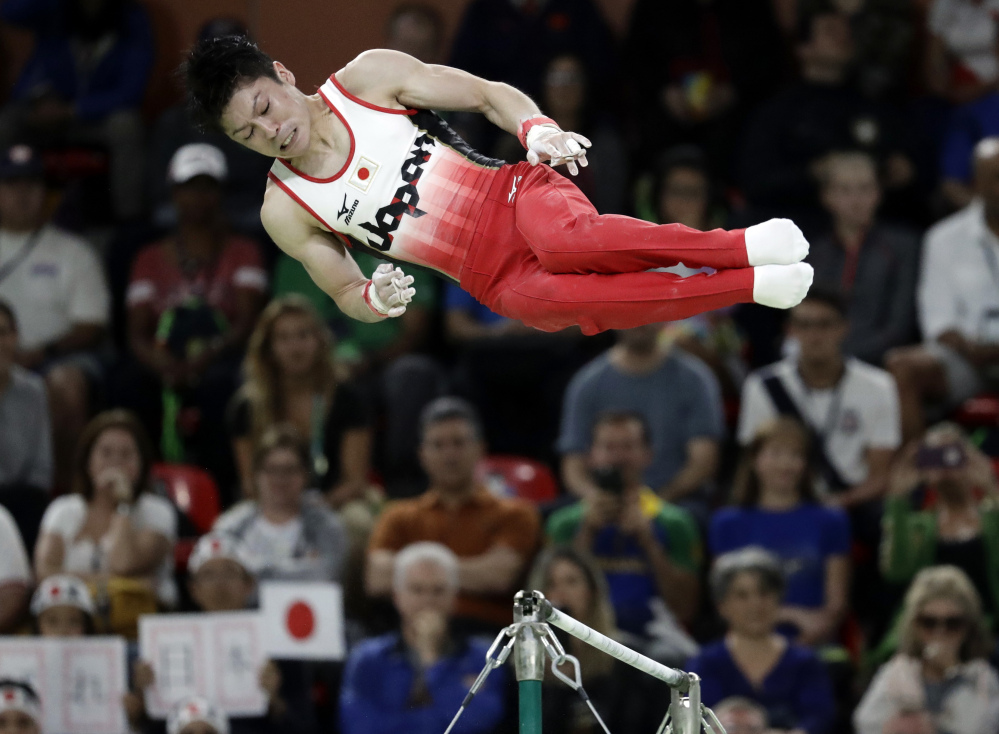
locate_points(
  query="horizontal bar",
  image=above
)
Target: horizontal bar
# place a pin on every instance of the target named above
(674, 678)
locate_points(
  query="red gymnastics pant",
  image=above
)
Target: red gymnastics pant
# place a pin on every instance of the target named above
(542, 254)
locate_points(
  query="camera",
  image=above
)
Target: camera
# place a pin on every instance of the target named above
(947, 456)
(609, 479)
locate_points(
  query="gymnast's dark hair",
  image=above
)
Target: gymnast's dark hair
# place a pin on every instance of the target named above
(215, 70)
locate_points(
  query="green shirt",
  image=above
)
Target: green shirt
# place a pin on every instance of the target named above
(354, 338)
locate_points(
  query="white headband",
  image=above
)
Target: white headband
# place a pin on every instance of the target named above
(16, 698)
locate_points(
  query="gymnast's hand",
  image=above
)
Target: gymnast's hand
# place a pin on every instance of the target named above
(555, 146)
(389, 291)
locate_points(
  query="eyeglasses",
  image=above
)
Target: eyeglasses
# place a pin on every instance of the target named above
(950, 624)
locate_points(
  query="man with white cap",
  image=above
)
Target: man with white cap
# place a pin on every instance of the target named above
(196, 715)
(200, 290)
(63, 607)
(20, 708)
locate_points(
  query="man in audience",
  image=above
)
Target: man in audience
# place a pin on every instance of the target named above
(741, 716)
(679, 398)
(55, 285)
(286, 534)
(873, 264)
(414, 680)
(958, 306)
(494, 538)
(647, 548)
(416, 29)
(788, 136)
(850, 407)
(193, 299)
(84, 84)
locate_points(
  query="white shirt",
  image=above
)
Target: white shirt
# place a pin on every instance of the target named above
(66, 515)
(968, 30)
(959, 280)
(60, 283)
(13, 557)
(858, 414)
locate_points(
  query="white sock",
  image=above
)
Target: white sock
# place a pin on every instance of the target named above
(781, 286)
(775, 242)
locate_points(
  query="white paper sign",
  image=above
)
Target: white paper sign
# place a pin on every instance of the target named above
(80, 681)
(303, 621)
(218, 656)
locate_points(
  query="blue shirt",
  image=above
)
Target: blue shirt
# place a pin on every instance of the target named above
(969, 123)
(796, 693)
(804, 538)
(375, 697)
(681, 401)
(455, 299)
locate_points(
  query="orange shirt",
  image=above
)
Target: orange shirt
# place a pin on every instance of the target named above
(481, 523)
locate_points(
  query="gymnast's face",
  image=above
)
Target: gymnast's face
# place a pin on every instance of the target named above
(269, 117)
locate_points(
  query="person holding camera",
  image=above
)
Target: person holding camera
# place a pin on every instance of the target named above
(647, 548)
(958, 523)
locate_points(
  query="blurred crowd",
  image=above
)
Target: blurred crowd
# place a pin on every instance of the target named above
(802, 507)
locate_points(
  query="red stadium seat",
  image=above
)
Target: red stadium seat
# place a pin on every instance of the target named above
(194, 492)
(518, 476)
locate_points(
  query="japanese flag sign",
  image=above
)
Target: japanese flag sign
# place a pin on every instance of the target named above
(303, 621)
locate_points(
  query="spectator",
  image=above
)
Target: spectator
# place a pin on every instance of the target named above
(416, 29)
(689, 72)
(789, 135)
(960, 52)
(512, 41)
(25, 434)
(193, 300)
(752, 660)
(968, 124)
(219, 581)
(15, 574)
(85, 83)
(20, 708)
(958, 305)
(55, 285)
(573, 583)
(776, 508)
(286, 533)
(874, 265)
(741, 716)
(649, 550)
(941, 667)
(196, 715)
(112, 526)
(679, 398)
(957, 528)
(62, 607)
(291, 378)
(850, 408)
(415, 680)
(884, 33)
(494, 538)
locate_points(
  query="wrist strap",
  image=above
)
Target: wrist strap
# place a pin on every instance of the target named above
(526, 125)
(368, 300)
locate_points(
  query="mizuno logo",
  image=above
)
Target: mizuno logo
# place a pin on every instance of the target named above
(513, 189)
(348, 211)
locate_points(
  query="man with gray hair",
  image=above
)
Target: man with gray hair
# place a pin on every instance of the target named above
(414, 680)
(958, 305)
(493, 537)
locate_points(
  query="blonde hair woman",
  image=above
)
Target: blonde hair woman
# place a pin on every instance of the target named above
(291, 378)
(941, 667)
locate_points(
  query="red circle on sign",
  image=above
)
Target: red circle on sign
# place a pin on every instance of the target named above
(300, 621)
(363, 173)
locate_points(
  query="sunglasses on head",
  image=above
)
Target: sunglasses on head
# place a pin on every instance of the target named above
(950, 624)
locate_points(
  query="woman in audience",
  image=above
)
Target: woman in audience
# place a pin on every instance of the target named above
(291, 378)
(572, 582)
(62, 607)
(940, 668)
(776, 508)
(286, 533)
(755, 661)
(955, 526)
(112, 526)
